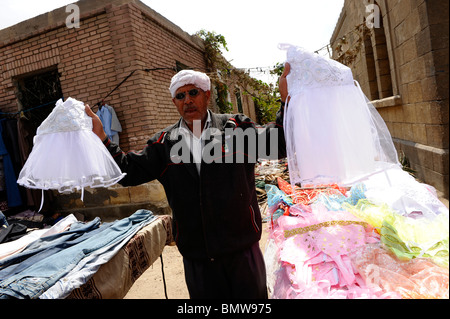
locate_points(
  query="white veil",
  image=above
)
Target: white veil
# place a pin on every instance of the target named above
(333, 133)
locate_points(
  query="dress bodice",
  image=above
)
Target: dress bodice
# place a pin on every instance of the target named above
(310, 70)
(66, 116)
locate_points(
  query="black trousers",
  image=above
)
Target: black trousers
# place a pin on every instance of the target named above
(239, 275)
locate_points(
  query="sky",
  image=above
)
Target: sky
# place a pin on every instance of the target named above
(252, 28)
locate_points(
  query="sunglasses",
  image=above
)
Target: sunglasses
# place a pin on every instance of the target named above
(182, 95)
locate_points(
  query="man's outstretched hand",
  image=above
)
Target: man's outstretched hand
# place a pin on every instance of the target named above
(282, 83)
(97, 126)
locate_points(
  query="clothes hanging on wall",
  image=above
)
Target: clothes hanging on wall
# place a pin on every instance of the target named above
(17, 137)
(110, 122)
(12, 190)
(10, 138)
(26, 132)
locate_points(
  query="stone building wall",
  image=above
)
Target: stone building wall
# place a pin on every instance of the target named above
(402, 67)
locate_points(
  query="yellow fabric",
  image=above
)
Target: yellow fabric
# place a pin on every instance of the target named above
(371, 213)
(407, 237)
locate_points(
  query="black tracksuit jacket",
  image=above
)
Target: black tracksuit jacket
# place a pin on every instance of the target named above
(216, 212)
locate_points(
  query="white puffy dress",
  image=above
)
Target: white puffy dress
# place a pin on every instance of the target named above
(333, 133)
(67, 155)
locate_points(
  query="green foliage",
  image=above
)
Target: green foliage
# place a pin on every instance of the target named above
(266, 102)
(278, 69)
(222, 98)
(217, 65)
(267, 97)
(213, 40)
(213, 44)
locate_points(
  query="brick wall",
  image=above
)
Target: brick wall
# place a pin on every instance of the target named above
(142, 39)
(112, 41)
(115, 38)
(416, 45)
(83, 57)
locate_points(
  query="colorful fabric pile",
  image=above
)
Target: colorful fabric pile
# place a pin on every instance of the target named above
(333, 242)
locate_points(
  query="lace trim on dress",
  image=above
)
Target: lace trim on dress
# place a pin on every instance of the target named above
(312, 70)
(65, 117)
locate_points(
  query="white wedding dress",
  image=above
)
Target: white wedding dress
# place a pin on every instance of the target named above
(67, 156)
(333, 133)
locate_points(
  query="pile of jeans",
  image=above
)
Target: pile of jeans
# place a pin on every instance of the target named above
(60, 261)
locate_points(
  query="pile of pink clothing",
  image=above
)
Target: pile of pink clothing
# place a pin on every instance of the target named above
(324, 251)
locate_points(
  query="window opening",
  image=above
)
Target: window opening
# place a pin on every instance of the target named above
(180, 66)
(371, 69)
(38, 94)
(237, 93)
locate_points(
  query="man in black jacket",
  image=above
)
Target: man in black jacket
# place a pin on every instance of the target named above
(206, 164)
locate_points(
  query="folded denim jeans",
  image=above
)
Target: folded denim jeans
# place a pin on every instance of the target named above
(37, 278)
(49, 245)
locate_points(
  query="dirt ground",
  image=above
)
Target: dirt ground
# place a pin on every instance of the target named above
(150, 284)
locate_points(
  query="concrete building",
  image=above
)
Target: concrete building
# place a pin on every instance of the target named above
(45, 58)
(398, 52)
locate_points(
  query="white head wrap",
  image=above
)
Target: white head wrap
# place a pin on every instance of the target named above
(185, 77)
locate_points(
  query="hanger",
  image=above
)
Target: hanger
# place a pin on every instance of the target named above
(23, 116)
(100, 104)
